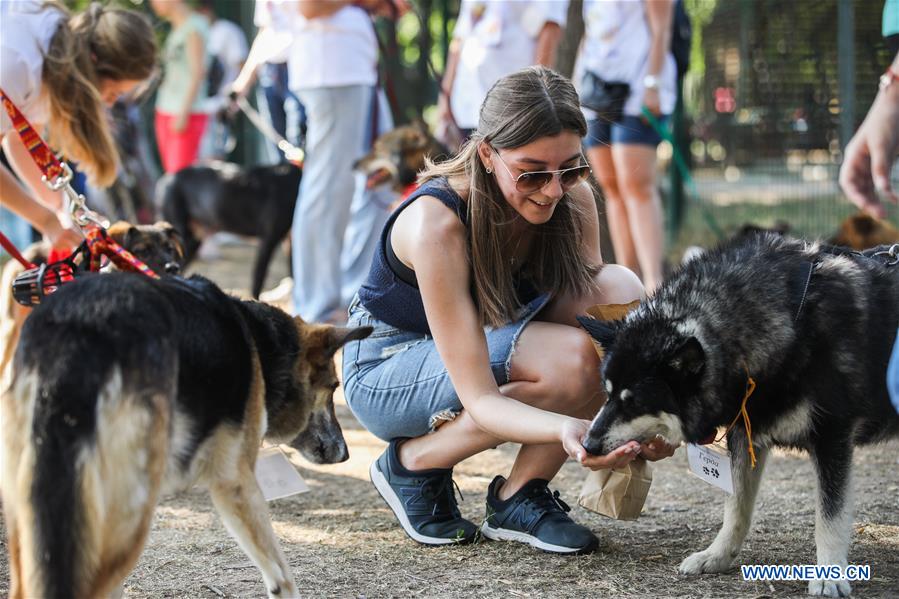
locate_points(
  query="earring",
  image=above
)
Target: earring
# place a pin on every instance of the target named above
(489, 170)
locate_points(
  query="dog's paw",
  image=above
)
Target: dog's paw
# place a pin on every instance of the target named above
(829, 588)
(707, 561)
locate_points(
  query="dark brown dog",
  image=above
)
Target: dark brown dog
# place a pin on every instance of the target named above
(862, 231)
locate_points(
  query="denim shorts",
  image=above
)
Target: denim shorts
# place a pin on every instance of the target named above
(629, 130)
(395, 382)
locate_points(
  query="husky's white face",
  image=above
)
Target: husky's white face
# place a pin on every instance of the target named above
(618, 422)
(652, 377)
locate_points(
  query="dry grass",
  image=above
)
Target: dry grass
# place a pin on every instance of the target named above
(343, 541)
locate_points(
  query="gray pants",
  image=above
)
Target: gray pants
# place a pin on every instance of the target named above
(336, 222)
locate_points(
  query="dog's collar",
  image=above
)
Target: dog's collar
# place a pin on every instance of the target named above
(800, 284)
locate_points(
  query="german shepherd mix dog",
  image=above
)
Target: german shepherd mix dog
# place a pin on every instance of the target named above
(221, 196)
(399, 155)
(154, 385)
(813, 326)
(156, 245)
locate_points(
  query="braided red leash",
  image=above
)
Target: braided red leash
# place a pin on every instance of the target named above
(37, 282)
(100, 244)
(42, 155)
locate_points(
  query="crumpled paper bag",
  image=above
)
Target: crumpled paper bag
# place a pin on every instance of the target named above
(621, 492)
(609, 312)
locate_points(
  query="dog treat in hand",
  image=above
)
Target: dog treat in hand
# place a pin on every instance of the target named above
(618, 493)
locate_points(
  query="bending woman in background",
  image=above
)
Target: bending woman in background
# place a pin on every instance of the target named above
(62, 71)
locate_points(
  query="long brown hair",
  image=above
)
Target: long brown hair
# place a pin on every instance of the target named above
(520, 108)
(99, 43)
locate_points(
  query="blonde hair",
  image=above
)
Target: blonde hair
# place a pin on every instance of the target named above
(89, 47)
(520, 108)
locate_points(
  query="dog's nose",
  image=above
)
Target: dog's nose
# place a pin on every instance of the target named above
(172, 268)
(593, 446)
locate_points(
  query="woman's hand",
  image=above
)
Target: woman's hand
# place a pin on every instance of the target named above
(573, 433)
(60, 237)
(657, 449)
(865, 172)
(651, 100)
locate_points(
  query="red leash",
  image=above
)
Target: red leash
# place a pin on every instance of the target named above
(36, 282)
(12, 251)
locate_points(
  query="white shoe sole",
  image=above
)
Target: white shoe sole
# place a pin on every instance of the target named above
(395, 504)
(504, 534)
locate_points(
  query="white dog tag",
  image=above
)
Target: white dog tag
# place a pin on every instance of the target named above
(712, 465)
(276, 475)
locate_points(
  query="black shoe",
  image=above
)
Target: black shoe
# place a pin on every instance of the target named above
(536, 516)
(424, 501)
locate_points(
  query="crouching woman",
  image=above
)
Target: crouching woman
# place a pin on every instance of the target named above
(473, 296)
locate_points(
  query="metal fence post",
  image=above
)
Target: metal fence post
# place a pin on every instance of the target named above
(846, 68)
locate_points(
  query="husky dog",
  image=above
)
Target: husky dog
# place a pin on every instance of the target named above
(153, 385)
(812, 326)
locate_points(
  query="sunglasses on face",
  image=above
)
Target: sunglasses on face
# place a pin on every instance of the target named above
(531, 181)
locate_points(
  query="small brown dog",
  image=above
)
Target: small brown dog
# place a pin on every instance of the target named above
(862, 231)
(399, 155)
(157, 245)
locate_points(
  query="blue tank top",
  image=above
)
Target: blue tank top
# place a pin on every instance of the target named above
(390, 293)
(387, 296)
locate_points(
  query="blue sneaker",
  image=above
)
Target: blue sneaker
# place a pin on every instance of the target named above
(424, 501)
(536, 516)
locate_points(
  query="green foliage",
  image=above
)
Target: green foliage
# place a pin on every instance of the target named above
(700, 12)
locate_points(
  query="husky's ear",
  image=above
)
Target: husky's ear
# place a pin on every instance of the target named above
(688, 358)
(339, 336)
(603, 331)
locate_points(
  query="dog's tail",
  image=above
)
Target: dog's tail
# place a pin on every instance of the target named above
(81, 465)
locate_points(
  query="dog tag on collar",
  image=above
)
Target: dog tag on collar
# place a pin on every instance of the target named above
(276, 475)
(712, 465)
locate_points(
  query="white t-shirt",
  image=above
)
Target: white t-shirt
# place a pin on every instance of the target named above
(333, 51)
(276, 20)
(497, 38)
(616, 47)
(25, 33)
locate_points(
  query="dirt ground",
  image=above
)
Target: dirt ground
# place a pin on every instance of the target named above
(342, 541)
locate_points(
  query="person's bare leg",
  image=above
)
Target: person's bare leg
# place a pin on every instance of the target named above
(636, 168)
(600, 159)
(555, 367)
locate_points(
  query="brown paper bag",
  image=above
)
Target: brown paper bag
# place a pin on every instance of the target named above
(618, 493)
(609, 312)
